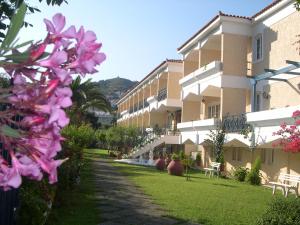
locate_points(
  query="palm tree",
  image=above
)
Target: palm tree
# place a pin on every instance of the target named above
(86, 98)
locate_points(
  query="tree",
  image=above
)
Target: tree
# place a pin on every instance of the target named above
(216, 139)
(9, 7)
(297, 5)
(86, 98)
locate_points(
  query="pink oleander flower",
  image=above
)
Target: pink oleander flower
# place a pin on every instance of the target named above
(40, 93)
(55, 60)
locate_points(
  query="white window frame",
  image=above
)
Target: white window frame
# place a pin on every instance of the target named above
(213, 105)
(256, 38)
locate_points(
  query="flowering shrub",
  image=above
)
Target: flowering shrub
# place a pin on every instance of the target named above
(290, 135)
(40, 92)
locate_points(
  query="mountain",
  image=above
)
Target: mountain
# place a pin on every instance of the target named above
(114, 88)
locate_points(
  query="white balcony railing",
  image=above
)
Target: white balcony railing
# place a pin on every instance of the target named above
(273, 117)
(198, 125)
(124, 112)
(201, 73)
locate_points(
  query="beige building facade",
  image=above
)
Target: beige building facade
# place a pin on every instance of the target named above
(221, 62)
(240, 72)
(154, 106)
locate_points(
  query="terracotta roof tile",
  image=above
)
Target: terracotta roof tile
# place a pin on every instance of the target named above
(209, 23)
(266, 8)
(230, 15)
(149, 74)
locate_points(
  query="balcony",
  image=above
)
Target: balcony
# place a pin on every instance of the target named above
(141, 106)
(196, 132)
(208, 81)
(152, 103)
(265, 123)
(162, 94)
(123, 113)
(131, 110)
(201, 73)
(273, 117)
(135, 108)
(198, 125)
(235, 123)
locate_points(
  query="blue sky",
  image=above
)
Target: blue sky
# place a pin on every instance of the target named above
(138, 34)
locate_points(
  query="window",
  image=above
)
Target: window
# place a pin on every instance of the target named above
(236, 154)
(258, 43)
(233, 154)
(267, 156)
(258, 102)
(214, 111)
(239, 155)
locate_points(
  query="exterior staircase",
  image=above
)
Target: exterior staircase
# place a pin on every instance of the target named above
(158, 140)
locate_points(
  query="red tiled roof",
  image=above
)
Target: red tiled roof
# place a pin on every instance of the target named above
(229, 15)
(149, 74)
(266, 8)
(209, 23)
(234, 16)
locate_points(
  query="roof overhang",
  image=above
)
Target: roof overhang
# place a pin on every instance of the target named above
(271, 9)
(213, 26)
(163, 67)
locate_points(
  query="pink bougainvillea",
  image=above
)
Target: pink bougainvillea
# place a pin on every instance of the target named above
(290, 135)
(38, 96)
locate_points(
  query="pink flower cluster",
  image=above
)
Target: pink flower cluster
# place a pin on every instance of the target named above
(39, 95)
(290, 135)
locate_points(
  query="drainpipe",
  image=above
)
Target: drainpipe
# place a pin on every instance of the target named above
(253, 97)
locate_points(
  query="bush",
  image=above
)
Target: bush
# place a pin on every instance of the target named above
(254, 176)
(100, 136)
(182, 155)
(37, 197)
(281, 211)
(36, 201)
(175, 156)
(80, 136)
(198, 157)
(240, 173)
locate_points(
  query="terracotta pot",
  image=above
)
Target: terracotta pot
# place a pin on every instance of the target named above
(119, 156)
(222, 167)
(160, 164)
(175, 168)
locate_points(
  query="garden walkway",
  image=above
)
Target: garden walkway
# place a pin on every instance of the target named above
(122, 203)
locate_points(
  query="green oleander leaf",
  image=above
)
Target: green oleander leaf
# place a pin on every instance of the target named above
(10, 132)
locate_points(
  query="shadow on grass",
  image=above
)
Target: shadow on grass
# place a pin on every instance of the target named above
(121, 201)
(225, 185)
(183, 222)
(97, 155)
(132, 170)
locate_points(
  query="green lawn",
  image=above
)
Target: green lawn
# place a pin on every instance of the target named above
(78, 206)
(94, 153)
(208, 201)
